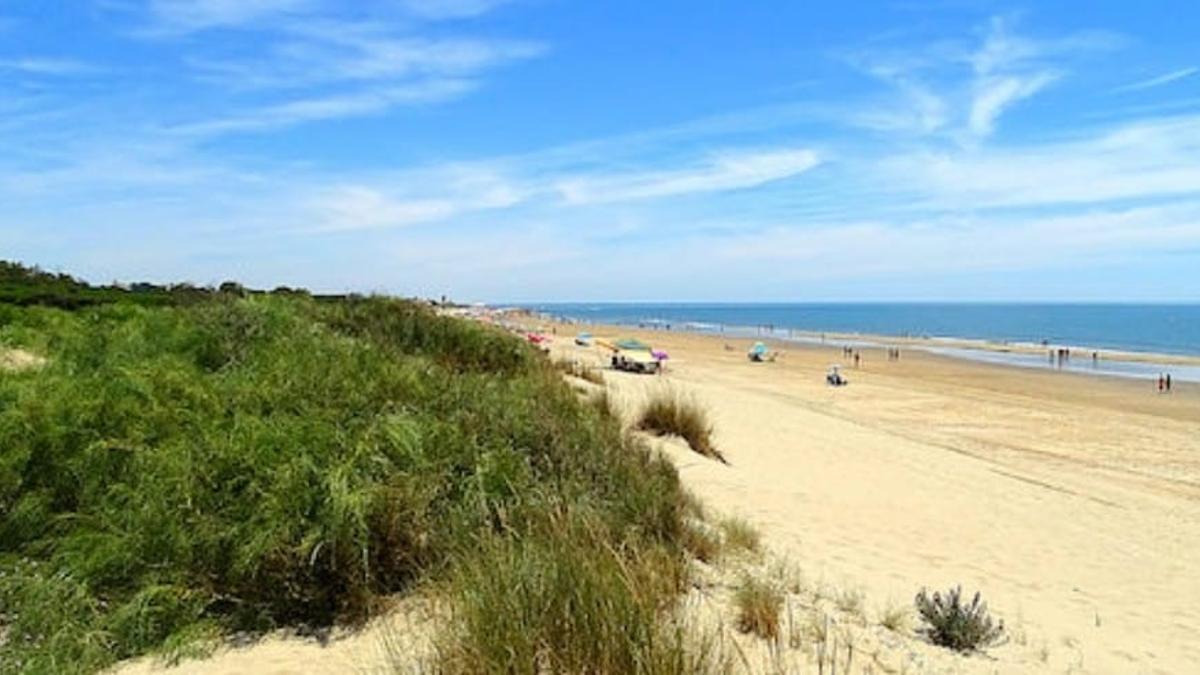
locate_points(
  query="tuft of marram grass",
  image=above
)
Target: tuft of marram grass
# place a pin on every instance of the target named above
(759, 604)
(581, 371)
(702, 541)
(568, 601)
(895, 618)
(670, 413)
(740, 534)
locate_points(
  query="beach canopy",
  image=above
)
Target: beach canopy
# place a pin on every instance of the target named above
(633, 345)
(759, 348)
(584, 336)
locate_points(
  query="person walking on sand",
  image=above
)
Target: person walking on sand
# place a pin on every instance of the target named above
(1161, 383)
(1168, 383)
(857, 358)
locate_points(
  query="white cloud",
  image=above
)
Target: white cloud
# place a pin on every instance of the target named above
(355, 104)
(185, 16)
(47, 66)
(357, 207)
(450, 9)
(1158, 158)
(322, 53)
(992, 95)
(1165, 78)
(724, 172)
(936, 96)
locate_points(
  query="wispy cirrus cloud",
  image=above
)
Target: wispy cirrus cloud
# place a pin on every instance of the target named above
(318, 53)
(1159, 80)
(48, 66)
(294, 112)
(450, 9)
(303, 61)
(1137, 160)
(729, 171)
(179, 17)
(933, 93)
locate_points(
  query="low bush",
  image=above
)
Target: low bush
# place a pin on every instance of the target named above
(669, 413)
(247, 463)
(759, 604)
(949, 622)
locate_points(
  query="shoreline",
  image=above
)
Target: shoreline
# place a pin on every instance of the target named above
(1126, 364)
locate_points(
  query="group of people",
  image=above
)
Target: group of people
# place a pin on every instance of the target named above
(857, 357)
(1164, 383)
(852, 353)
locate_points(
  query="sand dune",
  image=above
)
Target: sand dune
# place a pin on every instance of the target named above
(1071, 502)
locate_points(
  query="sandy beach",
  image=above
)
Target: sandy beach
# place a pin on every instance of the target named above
(1072, 502)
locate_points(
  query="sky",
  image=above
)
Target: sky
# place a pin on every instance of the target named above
(555, 150)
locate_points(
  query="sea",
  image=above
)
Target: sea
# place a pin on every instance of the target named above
(1164, 329)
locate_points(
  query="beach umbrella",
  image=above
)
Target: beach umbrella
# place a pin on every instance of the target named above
(659, 355)
(759, 348)
(632, 344)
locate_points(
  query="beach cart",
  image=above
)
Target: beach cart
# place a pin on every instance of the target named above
(632, 355)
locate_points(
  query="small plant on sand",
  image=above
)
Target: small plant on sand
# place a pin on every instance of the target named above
(759, 604)
(850, 602)
(963, 627)
(581, 371)
(894, 618)
(740, 534)
(671, 414)
(702, 541)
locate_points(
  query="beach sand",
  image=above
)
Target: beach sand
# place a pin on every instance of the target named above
(1071, 501)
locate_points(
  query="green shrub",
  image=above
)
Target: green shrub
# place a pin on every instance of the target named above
(247, 463)
(948, 622)
(668, 413)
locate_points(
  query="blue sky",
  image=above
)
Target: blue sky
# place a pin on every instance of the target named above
(617, 150)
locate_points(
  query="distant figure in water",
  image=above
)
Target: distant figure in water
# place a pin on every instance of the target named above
(1095, 358)
(1168, 383)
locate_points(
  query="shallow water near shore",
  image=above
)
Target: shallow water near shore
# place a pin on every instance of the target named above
(1023, 335)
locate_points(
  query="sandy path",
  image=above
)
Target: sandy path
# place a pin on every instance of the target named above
(1072, 502)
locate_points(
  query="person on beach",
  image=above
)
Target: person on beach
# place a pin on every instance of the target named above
(1168, 383)
(857, 358)
(1161, 383)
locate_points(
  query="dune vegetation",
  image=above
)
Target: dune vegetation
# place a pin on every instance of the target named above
(174, 473)
(670, 413)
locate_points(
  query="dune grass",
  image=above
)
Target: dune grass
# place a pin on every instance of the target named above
(581, 371)
(741, 535)
(572, 601)
(176, 473)
(759, 604)
(670, 413)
